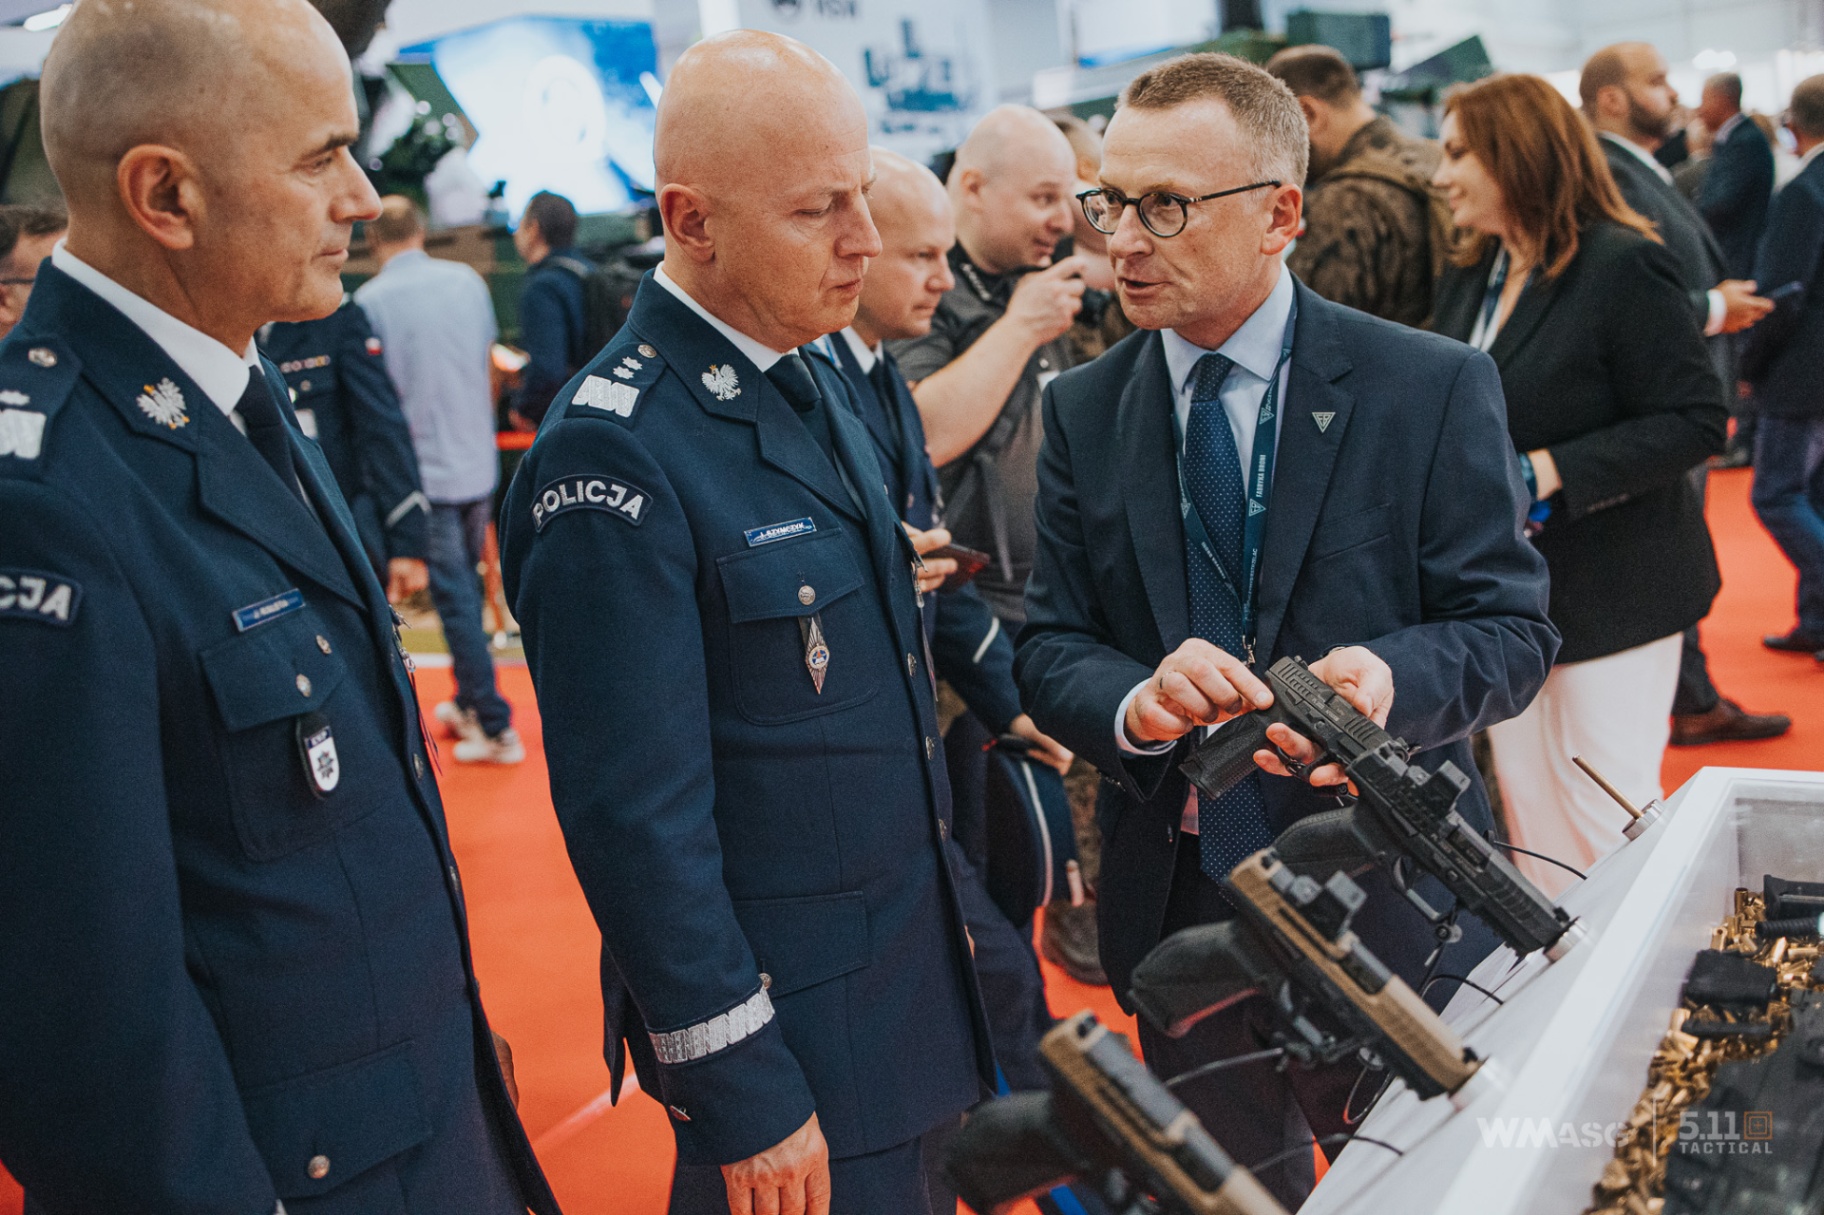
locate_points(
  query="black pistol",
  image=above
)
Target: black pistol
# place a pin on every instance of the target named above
(1107, 1121)
(1331, 998)
(1410, 814)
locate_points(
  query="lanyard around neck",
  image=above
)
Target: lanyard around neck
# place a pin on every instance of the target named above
(1259, 489)
(1486, 331)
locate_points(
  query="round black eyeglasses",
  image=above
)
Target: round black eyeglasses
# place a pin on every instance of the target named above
(1163, 213)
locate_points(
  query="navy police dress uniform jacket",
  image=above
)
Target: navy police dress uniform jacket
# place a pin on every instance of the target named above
(223, 983)
(779, 921)
(343, 398)
(970, 649)
(1394, 523)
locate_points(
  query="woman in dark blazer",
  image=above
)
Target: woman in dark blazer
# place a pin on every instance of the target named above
(1611, 401)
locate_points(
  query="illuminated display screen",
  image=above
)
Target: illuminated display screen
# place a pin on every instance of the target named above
(560, 104)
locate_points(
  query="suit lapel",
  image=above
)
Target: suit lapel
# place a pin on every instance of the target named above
(1307, 455)
(1529, 310)
(914, 464)
(1143, 428)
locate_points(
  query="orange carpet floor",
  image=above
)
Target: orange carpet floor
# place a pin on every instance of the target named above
(535, 943)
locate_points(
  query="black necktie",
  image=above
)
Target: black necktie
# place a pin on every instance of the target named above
(799, 388)
(267, 430)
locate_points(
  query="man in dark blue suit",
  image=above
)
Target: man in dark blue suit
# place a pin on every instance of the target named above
(335, 370)
(1782, 360)
(1739, 182)
(721, 612)
(234, 964)
(1381, 506)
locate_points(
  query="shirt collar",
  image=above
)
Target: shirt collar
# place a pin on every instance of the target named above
(865, 355)
(760, 354)
(1255, 347)
(1810, 156)
(405, 257)
(1728, 128)
(1639, 153)
(217, 370)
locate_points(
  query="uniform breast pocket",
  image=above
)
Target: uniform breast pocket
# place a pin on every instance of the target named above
(796, 607)
(288, 781)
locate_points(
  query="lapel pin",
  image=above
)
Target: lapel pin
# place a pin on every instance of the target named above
(1323, 421)
(164, 404)
(722, 382)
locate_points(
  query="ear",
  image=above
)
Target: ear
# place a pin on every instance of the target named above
(1310, 110)
(969, 184)
(1287, 218)
(1611, 100)
(159, 188)
(686, 214)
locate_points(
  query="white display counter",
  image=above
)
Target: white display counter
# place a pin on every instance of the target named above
(1569, 1048)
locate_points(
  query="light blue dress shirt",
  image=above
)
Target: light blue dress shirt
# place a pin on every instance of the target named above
(435, 321)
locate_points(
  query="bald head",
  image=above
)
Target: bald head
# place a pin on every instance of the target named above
(909, 278)
(1625, 91)
(905, 193)
(187, 74)
(202, 147)
(1013, 187)
(761, 151)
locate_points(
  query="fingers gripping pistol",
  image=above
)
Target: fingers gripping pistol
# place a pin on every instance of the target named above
(1330, 997)
(1403, 817)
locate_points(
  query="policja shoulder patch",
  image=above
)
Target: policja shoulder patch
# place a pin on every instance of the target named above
(613, 385)
(587, 492)
(35, 595)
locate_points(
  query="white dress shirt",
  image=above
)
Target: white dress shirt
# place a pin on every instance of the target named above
(218, 371)
(865, 355)
(758, 353)
(1255, 349)
(1713, 322)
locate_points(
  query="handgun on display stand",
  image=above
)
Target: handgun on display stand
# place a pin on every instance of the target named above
(1331, 998)
(1404, 816)
(1107, 1122)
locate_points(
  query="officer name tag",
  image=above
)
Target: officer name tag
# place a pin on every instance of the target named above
(268, 610)
(317, 748)
(779, 531)
(589, 493)
(46, 598)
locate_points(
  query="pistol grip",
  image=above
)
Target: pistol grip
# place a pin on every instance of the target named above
(1320, 844)
(1197, 972)
(1226, 757)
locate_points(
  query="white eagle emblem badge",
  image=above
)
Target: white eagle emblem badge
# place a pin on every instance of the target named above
(722, 382)
(164, 404)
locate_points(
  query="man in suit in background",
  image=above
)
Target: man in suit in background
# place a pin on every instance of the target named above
(29, 233)
(1629, 100)
(1781, 359)
(720, 613)
(1386, 507)
(1739, 182)
(234, 962)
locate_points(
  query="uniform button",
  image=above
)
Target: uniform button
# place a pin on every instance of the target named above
(303, 385)
(318, 1168)
(41, 356)
(303, 685)
(323, 643)
(807, 595)
(418, 766)
(455, 879)
(766, 981)
(943, 829)
(911, 664)
(930, 746)
(678, 1113)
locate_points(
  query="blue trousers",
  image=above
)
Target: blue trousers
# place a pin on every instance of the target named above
(454, 542)
(1789, 498)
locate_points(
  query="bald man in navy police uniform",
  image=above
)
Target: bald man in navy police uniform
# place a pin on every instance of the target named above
(234, 966)
(722, 621)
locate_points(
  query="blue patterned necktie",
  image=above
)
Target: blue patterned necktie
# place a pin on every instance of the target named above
(1235, 825)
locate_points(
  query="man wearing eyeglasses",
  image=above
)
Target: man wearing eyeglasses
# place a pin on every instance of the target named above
(1260, 473)
(29, 234)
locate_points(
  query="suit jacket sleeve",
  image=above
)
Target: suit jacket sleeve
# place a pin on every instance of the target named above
(974, 655)
(115, 1089)
(1791, 253)
(1485, 643)
(381, 438)
(1072, 676)
(1733, 179)
(544, 332)
(1669, 401)
(614, 638)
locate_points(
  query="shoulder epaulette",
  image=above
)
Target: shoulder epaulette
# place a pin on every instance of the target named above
(37, 376)
(612, 386)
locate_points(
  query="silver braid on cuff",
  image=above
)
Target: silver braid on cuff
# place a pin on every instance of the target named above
(720, 1032)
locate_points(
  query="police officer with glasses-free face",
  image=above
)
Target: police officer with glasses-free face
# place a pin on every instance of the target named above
(722, 620)
(1375, 533)
(234, 967)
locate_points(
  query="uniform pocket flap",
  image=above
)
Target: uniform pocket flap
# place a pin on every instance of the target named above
(803, 942)
(318, 1131)
(1335, 535)
(788, 578)
(272, 671)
